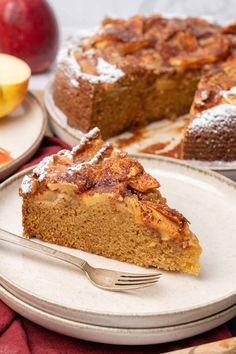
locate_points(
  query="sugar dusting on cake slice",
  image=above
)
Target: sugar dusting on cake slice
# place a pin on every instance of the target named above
(219, 117)
(104, 197)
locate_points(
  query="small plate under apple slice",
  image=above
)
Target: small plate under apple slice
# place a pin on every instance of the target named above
(21, 133)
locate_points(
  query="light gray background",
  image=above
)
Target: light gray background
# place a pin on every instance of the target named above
(84, 13)
(75, 14)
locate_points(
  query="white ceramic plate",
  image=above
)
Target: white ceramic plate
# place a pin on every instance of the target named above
(113, 335)
(205, 198)
(21, 133)
(161, 138)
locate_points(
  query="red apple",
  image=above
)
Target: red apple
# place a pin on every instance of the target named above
(29, 30)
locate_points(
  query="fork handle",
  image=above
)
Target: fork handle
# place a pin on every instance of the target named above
(26, 243)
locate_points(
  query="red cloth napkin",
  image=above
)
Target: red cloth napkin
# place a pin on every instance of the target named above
(20, 336)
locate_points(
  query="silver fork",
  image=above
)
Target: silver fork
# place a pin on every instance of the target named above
(102, 278)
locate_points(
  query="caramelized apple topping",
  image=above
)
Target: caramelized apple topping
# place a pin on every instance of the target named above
(92, 165)
(154, 42)
(217, 86)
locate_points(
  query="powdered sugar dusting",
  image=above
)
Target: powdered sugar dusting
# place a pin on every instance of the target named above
(40, 170)
(72, 68)
(117, 150)
(214, 117)
(74, 42)
(95, 159)
(66, 153)
(107, 73)
(227, 93)
(27, 185)
(89, 53)
(92, 134)
(204, 94)
(100, 153)
(74, 83)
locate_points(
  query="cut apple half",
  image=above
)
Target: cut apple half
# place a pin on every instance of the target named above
(14, 79)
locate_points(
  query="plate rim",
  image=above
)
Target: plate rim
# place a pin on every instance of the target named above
(114, 335)
(19, 293)
(50, 107)
(164, 328)
(16, 162)
(212, 174)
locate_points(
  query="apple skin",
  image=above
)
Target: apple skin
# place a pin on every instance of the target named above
(29, 30)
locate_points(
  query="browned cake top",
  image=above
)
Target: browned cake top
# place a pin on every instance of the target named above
(155, 43)
(217, 86)
(95, 166)
(92, 165)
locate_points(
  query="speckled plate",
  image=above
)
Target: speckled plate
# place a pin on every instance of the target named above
(205, 198)
(160, 138)
(21, 133)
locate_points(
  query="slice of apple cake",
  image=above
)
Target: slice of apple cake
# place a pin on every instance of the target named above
(101, 200)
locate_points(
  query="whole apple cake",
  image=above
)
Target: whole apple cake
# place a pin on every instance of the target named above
(101, 200)
(130, 72)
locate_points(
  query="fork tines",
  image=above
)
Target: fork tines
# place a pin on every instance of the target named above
(131, 281)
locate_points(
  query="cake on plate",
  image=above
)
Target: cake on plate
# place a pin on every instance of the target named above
(100, 200)
(211, 134)
(131, 72)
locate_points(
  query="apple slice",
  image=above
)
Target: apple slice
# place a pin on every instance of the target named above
(5, 157)
(14, 78)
